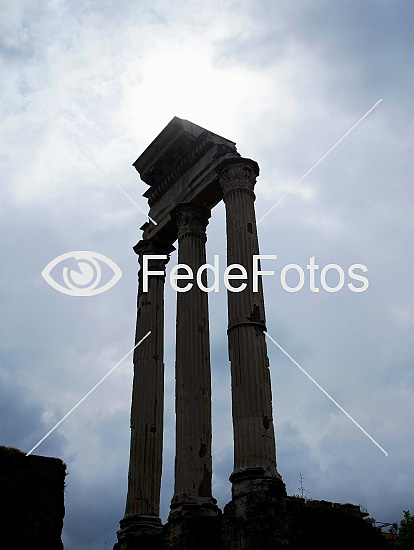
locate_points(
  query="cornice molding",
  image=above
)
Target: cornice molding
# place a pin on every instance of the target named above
(155, 192)
(161, 146)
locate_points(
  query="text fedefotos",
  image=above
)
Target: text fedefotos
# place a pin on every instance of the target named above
(239, 272)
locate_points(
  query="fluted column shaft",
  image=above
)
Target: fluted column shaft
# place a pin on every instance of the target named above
(193, 464)
(254, 440)
(145, 464)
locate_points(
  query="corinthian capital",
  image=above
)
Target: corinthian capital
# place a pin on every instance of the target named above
(191, 218)
(154, 247)
(238, 173)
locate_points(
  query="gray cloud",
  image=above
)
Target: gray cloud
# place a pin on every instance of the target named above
(292, 79)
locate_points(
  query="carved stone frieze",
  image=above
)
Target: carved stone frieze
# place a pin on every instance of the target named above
(155, 192)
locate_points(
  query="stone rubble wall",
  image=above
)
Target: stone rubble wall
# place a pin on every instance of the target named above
(31, 501)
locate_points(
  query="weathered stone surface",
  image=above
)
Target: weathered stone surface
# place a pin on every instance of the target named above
(141, 519)
(322, 525)
(31, 501)
(255, 522)
(193, 528)
(139, 532)
(193, 469)
(264, 521)
(192, 522)
(254, 440)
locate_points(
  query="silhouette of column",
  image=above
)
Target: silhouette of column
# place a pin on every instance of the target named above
(254, 440)
(193, 468)
(141, 518)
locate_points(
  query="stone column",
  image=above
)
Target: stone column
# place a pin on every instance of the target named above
(193, 468)
(254, 440)
(141, 524)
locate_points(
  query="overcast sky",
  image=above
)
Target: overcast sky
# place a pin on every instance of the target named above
(284, 80)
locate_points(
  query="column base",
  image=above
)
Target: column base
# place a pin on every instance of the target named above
(186, 505)
(139, 532)
(193, 524)
(249, 481)
(255, 517)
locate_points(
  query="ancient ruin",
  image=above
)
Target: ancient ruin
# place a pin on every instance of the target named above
(31, 501)
(189, 170)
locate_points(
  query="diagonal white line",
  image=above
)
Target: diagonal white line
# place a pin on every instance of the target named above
(88, 156)
(327, 394)
(319, 161)
(87, 394)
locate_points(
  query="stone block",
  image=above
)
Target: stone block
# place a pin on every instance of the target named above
(31, 501)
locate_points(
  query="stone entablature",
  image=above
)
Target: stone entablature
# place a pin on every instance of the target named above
(180, 167)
